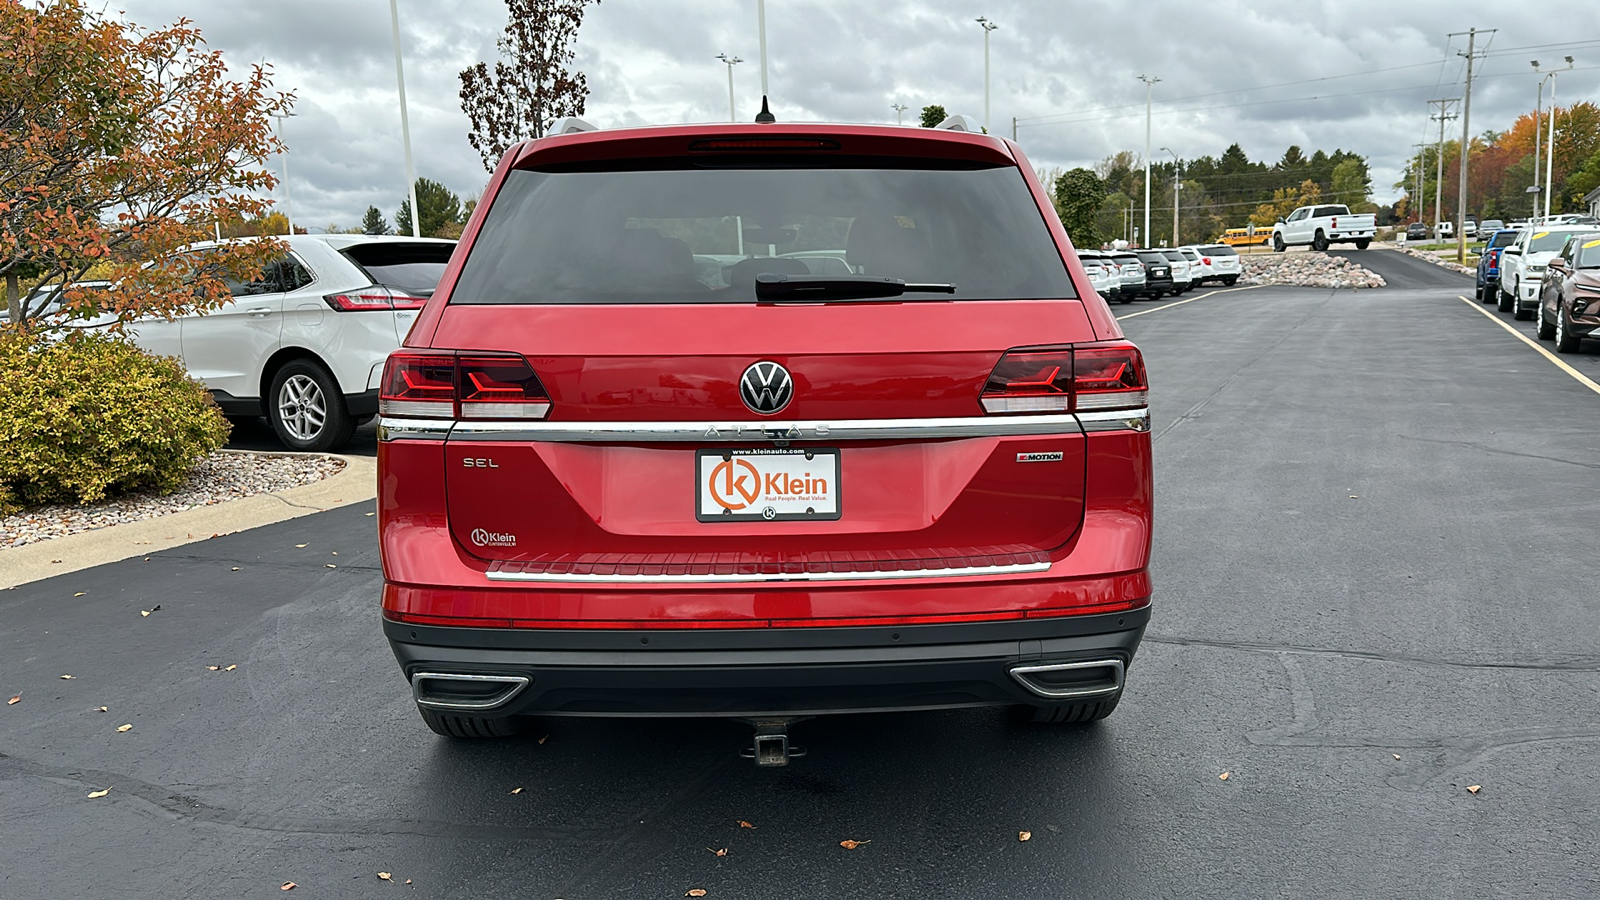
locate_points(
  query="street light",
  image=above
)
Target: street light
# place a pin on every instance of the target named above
(899, 112)
(1148, 84)
(988, 26)
(405, 123)
(1550, 76)
(732, 61)
(1176, 186)
(288, 209)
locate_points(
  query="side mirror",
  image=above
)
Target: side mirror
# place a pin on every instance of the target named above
(1511, 251)
(1559, 264)
(1280, 220)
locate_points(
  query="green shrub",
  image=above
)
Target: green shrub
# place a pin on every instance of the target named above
(91, 416)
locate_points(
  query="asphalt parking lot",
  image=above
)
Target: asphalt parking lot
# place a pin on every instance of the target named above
(1376, 588)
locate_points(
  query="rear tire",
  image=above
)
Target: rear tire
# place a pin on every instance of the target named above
(1068, 713)
(1231, 280)
(1546, 329)
(1320, 242)
(1566, 341)
(1503, 300)
(306, 409)
(470, 727)
(1363, 244)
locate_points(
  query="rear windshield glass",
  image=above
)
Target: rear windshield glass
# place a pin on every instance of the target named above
(413, 268)
(703, 235)
(1219, 250)
(1151, 256)
(1175, 256)
(1502, 239)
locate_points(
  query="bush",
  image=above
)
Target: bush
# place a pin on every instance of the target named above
(91, 416)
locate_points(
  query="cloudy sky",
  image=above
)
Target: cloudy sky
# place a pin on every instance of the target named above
(1352, 74)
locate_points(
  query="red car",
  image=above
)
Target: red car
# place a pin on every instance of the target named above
(765, 422)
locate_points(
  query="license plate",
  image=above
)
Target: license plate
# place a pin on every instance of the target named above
(767, 484)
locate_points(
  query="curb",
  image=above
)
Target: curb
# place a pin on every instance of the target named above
(357, 482)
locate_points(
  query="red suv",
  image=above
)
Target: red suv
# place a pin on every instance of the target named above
(763, 421)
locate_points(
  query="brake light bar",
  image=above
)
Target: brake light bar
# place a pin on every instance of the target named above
(373, 297)
(435, 384)
(1081, 377)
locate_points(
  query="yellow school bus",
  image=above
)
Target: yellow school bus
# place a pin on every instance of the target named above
(1241, 237)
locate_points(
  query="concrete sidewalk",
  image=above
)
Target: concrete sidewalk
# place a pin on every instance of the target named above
(355, 483)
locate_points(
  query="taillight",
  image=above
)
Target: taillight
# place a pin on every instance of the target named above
(1335, 225)
(373, 297)
(449, 385)
(1066, 379)
(1206, 260)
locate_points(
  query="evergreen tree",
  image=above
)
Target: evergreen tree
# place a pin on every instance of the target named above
(933, 115)
(439, 209)
(374, 223)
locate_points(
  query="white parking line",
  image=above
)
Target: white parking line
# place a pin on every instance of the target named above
(1583, 379)
(1145, 312)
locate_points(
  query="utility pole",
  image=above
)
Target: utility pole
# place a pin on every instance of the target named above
(288, 209)
(730, 62)
(1149, 82)
(899, 112)
(1466, 143)
(1177, 185)
(1441, 117)
(988, 26)
(1550, 150)
(1417, 179)
(1013, 129)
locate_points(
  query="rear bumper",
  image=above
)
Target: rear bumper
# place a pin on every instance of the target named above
(767, 672)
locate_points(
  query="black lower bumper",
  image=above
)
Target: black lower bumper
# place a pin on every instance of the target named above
(763, 671)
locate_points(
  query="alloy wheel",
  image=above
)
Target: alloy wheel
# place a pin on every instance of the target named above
(302, 408)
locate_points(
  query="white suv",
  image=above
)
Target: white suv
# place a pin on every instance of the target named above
(305, 345)
(1523, 263)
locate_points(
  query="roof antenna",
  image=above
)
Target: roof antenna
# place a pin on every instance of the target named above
(765, 117)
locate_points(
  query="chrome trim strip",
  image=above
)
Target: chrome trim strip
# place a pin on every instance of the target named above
(1115, 420)
(514, 683)
(711, 578)
(393, 429)
(707, 432)
(1020, 672)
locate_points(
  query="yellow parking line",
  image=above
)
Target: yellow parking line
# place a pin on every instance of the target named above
(1561, 364)
(1145, 312)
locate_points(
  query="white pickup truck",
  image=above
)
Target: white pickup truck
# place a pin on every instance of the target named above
(1322, 225)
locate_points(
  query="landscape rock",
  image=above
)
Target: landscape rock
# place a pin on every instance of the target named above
(1309, 269)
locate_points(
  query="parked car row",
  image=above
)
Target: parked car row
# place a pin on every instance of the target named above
(1127, 275)
(1552, 274)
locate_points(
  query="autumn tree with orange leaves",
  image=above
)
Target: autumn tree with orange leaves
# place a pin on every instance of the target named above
(119, 147)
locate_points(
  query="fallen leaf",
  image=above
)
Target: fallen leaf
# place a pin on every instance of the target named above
(408, 881)
(67, 677)
(373, 514)
(1395, 755)
(744, 824)
(96, 795)
(1224, 775)
(516, 790)
(141, 542)
(234, 569)
(300, 545)
(695, 892)
(14, 700)
(102, 709)
(384, 876)
(144, 612)
(1474, 788)
(851, 845)
(335, 553)
(80, 593)
(331, 566)
(543, 739)
(288, 886)
(55, 560)
(122, 728)
(230, 667)
(215, 668)
(1024, 835)
(722, 852)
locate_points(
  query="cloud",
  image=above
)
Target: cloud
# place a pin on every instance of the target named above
(1068, 72)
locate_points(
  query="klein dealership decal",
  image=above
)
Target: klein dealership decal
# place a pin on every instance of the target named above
(485, 538)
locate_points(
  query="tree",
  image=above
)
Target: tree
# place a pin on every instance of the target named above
(120, 146)
(1079, 194)
(439, 210)
(1286, 200)
(1351, 185)
(522, 100)
(933, 115)
(374, 222)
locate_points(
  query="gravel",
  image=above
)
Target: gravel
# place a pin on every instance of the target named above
(222, 476)
(1438, 260)
(1309, 269)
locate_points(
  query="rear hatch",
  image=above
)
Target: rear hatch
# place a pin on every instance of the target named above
(407, 271)
(690, 423)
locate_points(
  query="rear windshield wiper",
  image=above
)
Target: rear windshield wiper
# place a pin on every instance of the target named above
(831, 288)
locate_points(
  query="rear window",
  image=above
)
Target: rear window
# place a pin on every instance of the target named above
(1331, 211)
(1502, 239)
(411, 267)
(1219, 250)
(1174, 255)
(702, 235)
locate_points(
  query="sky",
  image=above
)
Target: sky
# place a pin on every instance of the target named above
(1355, 75)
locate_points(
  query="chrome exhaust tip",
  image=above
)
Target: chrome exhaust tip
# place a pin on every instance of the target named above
(1078, 680)
(476, 693)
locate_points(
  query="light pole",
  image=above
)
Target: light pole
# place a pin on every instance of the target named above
(1149, 82)
(988, 26)
(288, 208)
(899, 112)
(1176, 186)
(733, 115)
(405, 123)
(1550, 145)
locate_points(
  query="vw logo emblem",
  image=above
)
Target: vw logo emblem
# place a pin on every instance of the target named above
(766, 388)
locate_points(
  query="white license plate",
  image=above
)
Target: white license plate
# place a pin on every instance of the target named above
(770, 485)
